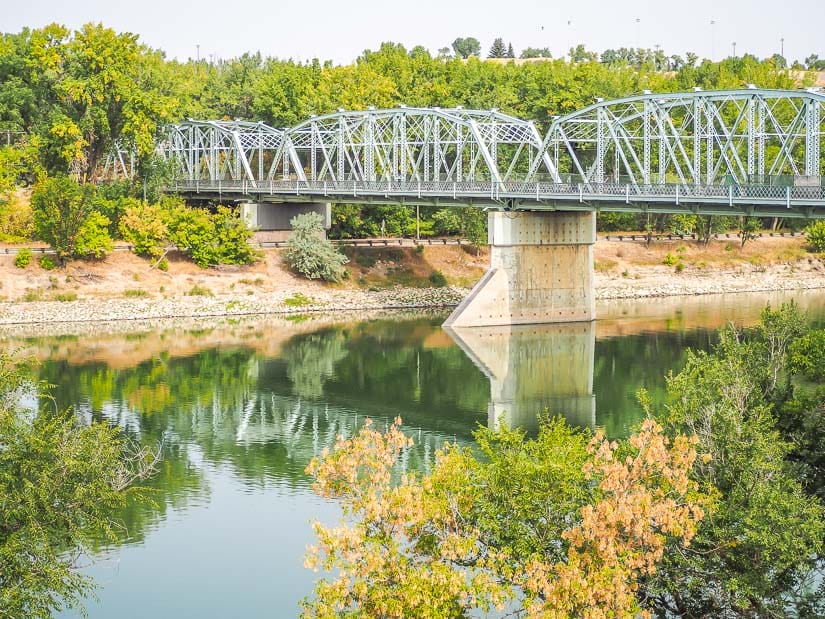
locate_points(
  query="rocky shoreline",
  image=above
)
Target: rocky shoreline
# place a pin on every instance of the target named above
(654, 282)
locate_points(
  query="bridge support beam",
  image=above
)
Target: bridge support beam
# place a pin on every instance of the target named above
(275, 216)
(541, 271)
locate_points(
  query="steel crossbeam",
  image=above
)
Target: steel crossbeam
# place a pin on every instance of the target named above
(691, 148)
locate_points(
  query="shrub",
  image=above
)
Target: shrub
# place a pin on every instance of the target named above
(65, 296)
(222, 238)
(815, 233)
(135, 293)
(93, 240)
(46, 262)
(233, 237)
(669, 260)
(199, 291)
(808, 355)
(16, 222)
(193, 233)
(23, 258)
(437, 279)
(144, 226)
(309, 253)
(60, 208)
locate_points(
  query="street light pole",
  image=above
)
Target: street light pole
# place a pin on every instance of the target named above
(734, 49)
(712, 40)
(782, 46)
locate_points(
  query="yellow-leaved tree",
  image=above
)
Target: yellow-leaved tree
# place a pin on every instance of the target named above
(560, 525)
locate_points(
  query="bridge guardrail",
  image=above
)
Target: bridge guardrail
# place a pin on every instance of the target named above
(521, 190)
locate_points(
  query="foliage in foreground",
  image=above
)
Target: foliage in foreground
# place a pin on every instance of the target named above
(59, 482)
(759, 551)
(309, 253)
(557, 526)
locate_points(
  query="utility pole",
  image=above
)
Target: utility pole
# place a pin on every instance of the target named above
(782, 46)
(712, 40)
(734, 49)
(198, 48)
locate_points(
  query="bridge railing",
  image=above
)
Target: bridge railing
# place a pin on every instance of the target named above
(521, 190)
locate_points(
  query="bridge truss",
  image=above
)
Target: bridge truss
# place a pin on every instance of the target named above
(749, 151)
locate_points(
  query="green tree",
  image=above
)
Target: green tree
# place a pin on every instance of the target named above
(753, 555)
(309, 253)
(497, 49)
(99, 93)
(59, 483)
(61, 209)
(536, 52)
(466, 47)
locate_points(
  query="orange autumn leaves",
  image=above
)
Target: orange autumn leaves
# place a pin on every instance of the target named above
(411, 546)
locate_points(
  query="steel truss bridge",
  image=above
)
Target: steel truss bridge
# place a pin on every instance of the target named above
(733, 152)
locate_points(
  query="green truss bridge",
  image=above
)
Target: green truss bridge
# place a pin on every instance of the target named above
(747, 152)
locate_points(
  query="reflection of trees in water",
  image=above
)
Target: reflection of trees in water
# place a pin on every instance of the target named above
(623, 365)
(263, 418)
(311, 361)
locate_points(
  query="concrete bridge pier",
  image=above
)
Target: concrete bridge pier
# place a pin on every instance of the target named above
(541, 271)
(273, 217)
(533, 368)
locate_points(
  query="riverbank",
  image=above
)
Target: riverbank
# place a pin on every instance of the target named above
(123, 287)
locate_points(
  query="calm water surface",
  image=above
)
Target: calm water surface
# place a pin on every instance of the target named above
(240, 407)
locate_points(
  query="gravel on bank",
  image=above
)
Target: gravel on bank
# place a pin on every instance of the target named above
(657, 283)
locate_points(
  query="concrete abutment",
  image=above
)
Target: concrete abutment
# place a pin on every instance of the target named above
(273, 218)
(541, 271)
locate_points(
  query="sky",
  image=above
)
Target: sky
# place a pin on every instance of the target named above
(340, 31)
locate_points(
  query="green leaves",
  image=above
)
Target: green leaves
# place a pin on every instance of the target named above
(59, 482)
(309, 253)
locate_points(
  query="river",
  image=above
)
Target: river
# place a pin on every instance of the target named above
(240, 407)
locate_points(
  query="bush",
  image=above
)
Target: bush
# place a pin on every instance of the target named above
(193, 233)
(808, 355)
(309, 253)
(60, 208)
(93, 240)
(199, 291)
(16, 224)
(437, 279)
(669, 260)
(144, 226)
(233, 237)
(815, 233)
(23, 258)
(222, 238)
(47, 263)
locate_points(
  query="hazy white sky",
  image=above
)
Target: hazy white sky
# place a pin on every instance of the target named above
(341, 30)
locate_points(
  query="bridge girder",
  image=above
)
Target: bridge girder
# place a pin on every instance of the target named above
(748, 147)
(747, 136)
(421, 144)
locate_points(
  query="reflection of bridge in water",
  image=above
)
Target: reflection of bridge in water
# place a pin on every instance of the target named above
(533, 369)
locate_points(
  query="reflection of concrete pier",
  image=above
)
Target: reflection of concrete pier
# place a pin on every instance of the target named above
(534, 367)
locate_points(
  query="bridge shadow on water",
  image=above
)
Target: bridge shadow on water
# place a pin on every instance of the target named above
(534, 369)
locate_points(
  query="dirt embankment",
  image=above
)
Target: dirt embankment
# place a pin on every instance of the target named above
(124, 286)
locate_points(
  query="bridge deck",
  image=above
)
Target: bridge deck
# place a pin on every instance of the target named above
(757, 200)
